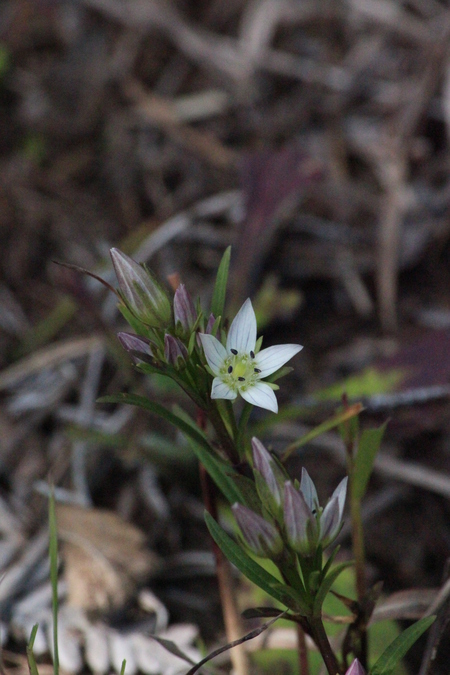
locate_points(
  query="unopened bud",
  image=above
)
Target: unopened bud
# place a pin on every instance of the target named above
(142, 294)
(262, 538)
(271, 475)
(299, 521)
(137, 346)
(183, 309)
(175, 352)
(331, 518)
(355, 669)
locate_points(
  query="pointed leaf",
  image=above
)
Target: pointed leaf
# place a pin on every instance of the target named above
(398, 648)
(249, 568)
(30, 656)
(334, 421)
(325, 586)
(220, 288)
(368, 446)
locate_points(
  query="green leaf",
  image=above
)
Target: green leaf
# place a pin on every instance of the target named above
(122, 669)
(368, 446)
(325, 586)
(398, 648)
(220, 287)
(249, 568)
(30, 656)
(217, 468)
(53, 554)
(334, 421)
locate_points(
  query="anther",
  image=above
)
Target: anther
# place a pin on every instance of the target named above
(252, 354)
(230, 369)
(241, 379)
(257, 370)
(234, 351)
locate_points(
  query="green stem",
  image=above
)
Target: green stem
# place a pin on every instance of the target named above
(321, 639)
(223, 436)
(242, 428)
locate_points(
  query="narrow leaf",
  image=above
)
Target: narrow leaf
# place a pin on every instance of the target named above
(220, 287)
(173, 649)
(325, 586)
(368, 446)
(122, 669)
(30, 656)
(334, 421)
(249, 636)
(398, 648)
(161, 411)
(263, 579)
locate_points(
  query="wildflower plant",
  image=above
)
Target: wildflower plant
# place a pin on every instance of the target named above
(279, 518)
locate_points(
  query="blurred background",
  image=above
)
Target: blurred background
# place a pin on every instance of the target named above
(313, 137)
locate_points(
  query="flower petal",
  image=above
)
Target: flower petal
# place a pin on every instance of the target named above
(341, 493)
(308, 489)
(242, 333)
(214, 350)
(330, 522)
(261, 395)
(271, 359)
(221, 390)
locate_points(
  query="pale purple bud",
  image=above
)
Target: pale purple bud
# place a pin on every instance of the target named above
(262, 538)
(299, 521)
(210, 325)
(355, 669)
(331, 518)
(309, 490)
(269, 470)
(142, 294)
(137, 346)
(183, 309)
(174, 351)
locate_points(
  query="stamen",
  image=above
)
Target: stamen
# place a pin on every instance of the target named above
(230, 369)
(234, 351)
(252, 354)
(241, 379)
(257, 370)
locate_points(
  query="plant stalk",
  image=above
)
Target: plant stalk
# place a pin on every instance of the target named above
(321, 639)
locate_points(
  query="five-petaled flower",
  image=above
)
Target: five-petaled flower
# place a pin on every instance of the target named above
(238, 369)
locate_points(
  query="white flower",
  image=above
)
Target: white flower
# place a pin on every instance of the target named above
(238, 369)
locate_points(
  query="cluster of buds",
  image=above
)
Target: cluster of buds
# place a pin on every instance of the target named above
(148, 308)
(292, 513)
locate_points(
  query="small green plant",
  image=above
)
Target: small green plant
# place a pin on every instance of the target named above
(280, 519)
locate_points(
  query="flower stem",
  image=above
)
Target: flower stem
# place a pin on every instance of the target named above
(223, 436)
(302, 651)
(320, 638)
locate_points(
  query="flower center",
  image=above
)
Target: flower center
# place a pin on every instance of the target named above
(239, 371)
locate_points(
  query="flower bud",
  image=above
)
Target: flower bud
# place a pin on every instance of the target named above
(271, 474)
(137, 346)
(143, 296)
(175, 352)
(355, 669)
(331, 518)
(299, 521)
(262, 538)
(183, 309)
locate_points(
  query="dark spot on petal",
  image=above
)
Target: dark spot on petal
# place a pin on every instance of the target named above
(241, 379)
(257, 370)
(230, 369)
(234, 351)
(252, 354)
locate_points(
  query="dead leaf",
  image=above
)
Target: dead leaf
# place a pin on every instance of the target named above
(104, 557)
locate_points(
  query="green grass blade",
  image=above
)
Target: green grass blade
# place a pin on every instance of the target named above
(398, 648)
(122, 670)
(220, 287)
(30, 656)
(53, 554)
